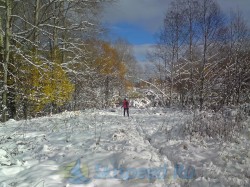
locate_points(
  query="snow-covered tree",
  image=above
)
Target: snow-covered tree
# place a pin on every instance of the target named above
(202, 57)
(44, 36)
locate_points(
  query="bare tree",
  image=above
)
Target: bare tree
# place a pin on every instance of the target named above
(126, 56)
(191, 15)
(210, 22)
(168, 50)
(7, 24)
(190, 51)
(236, 63)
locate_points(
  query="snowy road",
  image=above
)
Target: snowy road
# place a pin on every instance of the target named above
(103, 148)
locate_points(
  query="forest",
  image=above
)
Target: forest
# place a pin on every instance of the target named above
(202, 56)
(54, 57)
(64, 78)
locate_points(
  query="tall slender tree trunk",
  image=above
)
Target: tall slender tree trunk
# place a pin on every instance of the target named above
(36, 22)
(171, 78)
(191, 50)
(6, 59)
(107, 91)
(56, 23)
(202, 76)
(1, 48)
(239, 82)
(60, 14)
(204, 58)
(1, 43)
(1, 38)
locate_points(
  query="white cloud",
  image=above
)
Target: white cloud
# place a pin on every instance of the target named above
(141, 51)
(150, 13)
(235, 5)
(147, 13)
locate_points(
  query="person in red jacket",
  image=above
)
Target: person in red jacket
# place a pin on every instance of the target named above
(126, 107)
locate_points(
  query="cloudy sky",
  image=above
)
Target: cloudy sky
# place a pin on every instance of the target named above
(138, 21)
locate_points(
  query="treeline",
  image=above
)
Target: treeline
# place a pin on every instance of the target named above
(52, 58)
(202, 56)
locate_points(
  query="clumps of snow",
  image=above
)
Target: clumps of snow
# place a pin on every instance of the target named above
(140, 102)
(44, 149)
(6, 159)
(10, 121)
(235, 114)
(147, 99)
(112, 110)
(246, 108)
(119, 135)
(215, 143)
(12, 170)
(200, 181)
(71, 113)
(34, 150)
(227, 125)
(247, 173)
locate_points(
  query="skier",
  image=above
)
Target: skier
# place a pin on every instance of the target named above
(125, 107)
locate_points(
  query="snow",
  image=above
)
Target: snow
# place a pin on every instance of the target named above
(103, 148)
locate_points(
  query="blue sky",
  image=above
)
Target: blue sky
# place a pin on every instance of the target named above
(132, 32)
(137, 35)
(138, 21)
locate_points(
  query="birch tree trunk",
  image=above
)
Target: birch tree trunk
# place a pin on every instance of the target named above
(36, 21)
(191, 19)
(1, 38)
(6, 58)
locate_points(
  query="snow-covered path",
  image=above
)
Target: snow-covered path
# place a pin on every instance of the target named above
(103, 148)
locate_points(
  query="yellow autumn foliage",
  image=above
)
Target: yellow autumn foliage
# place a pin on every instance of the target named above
(43, 84)
(108, 62)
